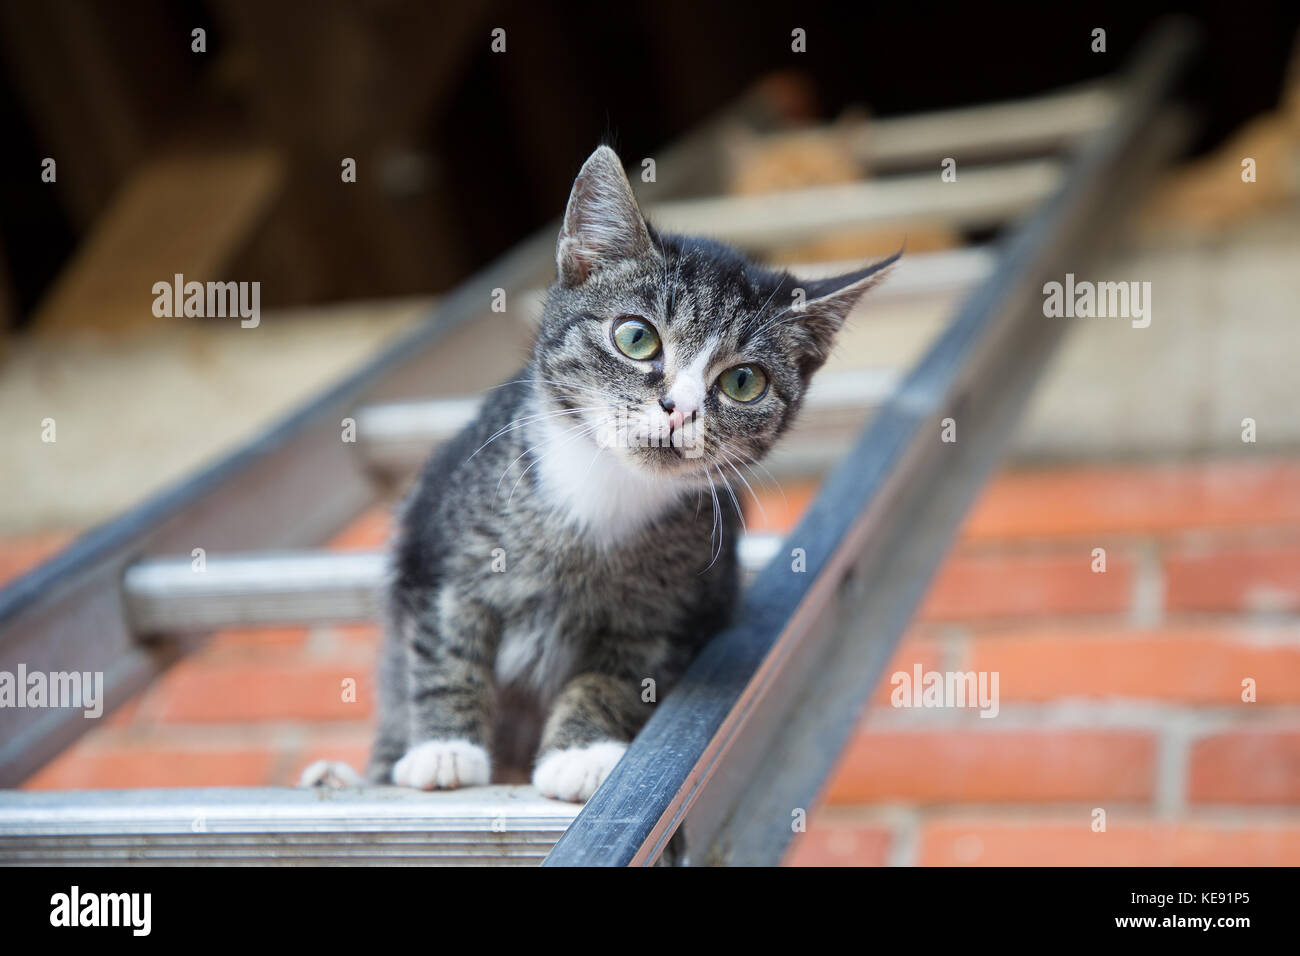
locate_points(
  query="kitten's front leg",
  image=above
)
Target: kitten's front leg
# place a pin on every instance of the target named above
(450, 704)
(589, 727)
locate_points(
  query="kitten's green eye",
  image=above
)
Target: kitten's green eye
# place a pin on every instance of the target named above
(744, 383)
(637, 339)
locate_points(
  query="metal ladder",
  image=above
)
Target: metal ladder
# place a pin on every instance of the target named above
(751, 732)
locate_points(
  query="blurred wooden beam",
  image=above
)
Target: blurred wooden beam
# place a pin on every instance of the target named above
(1043, 124)
(187, 213)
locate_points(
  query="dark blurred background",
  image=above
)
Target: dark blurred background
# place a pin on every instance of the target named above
(462, 151)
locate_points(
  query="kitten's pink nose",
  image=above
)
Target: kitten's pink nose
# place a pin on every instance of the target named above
(676, 416)
(683, 400)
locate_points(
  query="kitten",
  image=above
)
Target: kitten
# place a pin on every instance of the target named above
(561, 561)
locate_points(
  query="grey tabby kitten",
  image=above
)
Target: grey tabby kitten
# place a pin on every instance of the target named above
(579, 538)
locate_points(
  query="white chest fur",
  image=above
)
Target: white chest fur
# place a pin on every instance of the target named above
(591, 489)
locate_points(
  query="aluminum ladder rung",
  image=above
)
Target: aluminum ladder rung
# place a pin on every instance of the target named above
(483, 826)
(177, 596)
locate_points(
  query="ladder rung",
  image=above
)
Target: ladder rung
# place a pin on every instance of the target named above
(986, 197)
(1045, 122)
(497, 825)
(170, 595)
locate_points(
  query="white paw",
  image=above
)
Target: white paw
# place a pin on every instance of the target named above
(575, 773)
(330, 773)
(443, 764)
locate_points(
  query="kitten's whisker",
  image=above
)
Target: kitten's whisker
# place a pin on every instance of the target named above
(780, 315)
(772, 323)
(716, 527)
(603, 393)
(677, 273)
(771, 479)
(591, 464)
(731, 464)
(814, 315)
(506, 471)
(549, 381)
(528, 419)
(722, 527)
(713, 518)
(518, 423)
(515, 427)
(563, 435)
(768, 302)
(667, 307)
(740, 458)
(581, 432)
(740, 513)
(751, 464)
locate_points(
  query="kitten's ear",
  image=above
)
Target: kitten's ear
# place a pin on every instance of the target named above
(602, 223)
(828, 303)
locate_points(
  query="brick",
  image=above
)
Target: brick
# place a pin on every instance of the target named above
(770, 510)
(992, 843)
(911, 651)
(152, 766)
(1000, 585)
(18, 555)
(839, 843)
(256, 643)
(369, 532)
(976, 766)
(1234, 578)
(198, 692)
(125, 715)
(1191, 666)
(364, 636)
(1137, 499)
(1250, 767)
(1106, 500)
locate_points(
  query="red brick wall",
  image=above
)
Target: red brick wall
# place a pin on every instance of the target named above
(1119, 691)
